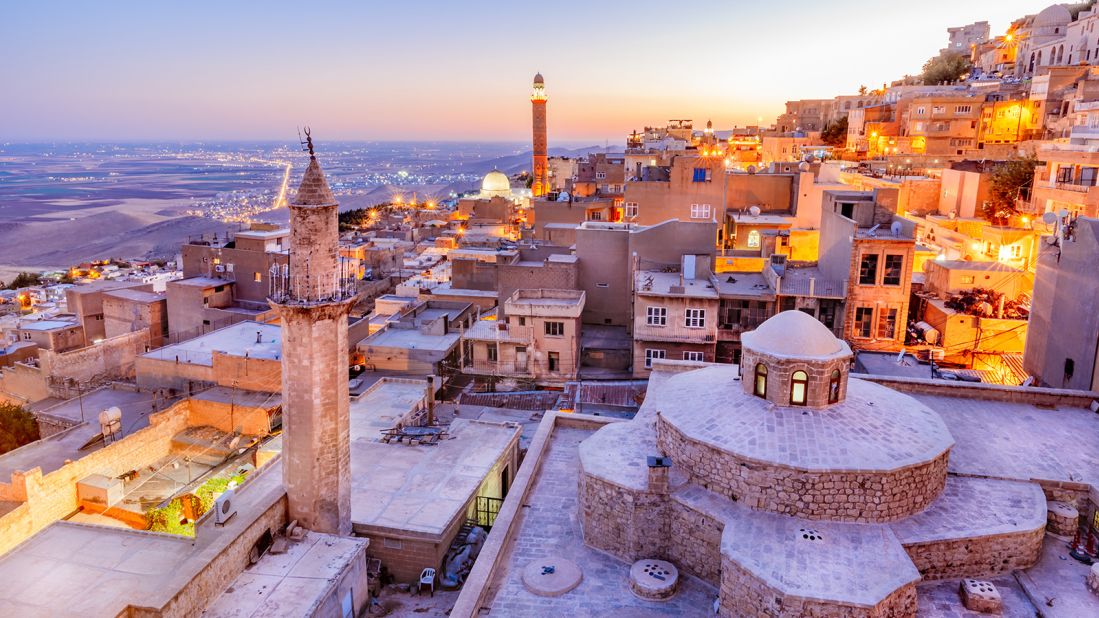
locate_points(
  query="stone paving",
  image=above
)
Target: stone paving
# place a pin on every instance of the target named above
(1020, 441)
(550, 526)
(875, 428)
(1057, 583)
(974, 507)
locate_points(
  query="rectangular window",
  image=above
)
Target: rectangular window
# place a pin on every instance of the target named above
(968, 279)
(963, 109)
(493, 353)
(392, 543)
(631, 209)
(868, 269)
(650, 354)
(554, 361)
(864, 317)
(938, 109)
(920, 111)
(595, 215)
(700, 211)
(694, 356)
(656, 316)
(555, 329)
(695, 318)
(894, 267)
(701, 174)
(600, 175)
(887, 324)
(257, 277)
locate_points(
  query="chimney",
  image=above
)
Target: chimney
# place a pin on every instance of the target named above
(659, 467)
(430, 396)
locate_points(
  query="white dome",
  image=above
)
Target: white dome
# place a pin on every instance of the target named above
(794, 334)
(1055, 15)
(495, 184)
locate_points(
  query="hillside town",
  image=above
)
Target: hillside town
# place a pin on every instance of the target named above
(844, 364)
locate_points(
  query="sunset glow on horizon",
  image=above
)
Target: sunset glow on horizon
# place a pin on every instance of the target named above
(447, 71)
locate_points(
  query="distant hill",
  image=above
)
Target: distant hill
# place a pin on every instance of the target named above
(513, 164)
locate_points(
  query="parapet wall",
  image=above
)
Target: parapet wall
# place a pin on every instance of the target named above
(977, 556)
(836, 495)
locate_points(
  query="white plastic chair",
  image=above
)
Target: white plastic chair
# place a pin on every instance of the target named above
(427, 578)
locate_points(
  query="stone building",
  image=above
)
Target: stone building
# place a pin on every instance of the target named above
(795, 489)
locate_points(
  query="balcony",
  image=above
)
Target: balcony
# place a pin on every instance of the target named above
(1076, 185)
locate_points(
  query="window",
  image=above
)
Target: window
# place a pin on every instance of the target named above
(522, 320)
(938, 109)
(963, 109)
(493, 352)
(920, 111)
(631, 209)
(554, 361)
(887, 323)
(1016, 251)
(650, 354)
(919, 127)
(701, 174)
(595, 215)
(894, 266)
(26, 336)
(602, 285)
(695, 318)
(834, 386)
(968, 279)
(754, 239)
(760, 389)
(555, 329)
(600, 175)
(700, 211)
(257, 277)
(693, 356)
(868, 269)
(863, 318)
(656, 316)
(799, 385)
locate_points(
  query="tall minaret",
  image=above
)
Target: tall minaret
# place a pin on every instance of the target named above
(539, 169)
(313, 299)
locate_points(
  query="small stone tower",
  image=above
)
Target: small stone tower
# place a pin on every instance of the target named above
(540, 166)
(313, 297)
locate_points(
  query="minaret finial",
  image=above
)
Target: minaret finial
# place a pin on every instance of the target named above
(308, 143)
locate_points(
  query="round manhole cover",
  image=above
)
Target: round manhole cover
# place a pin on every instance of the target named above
(552, 576)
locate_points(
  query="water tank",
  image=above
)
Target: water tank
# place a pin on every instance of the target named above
(930, 334)
(110, 416)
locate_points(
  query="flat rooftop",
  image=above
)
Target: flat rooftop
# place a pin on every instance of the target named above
(136, 295)
(421, 488)
(263, 234)
(254, 339)
(50, 453)
(410, 339)
(975, 265)
(743, 285)
(654, 283)
(384, 405)
(44, 325)
(202, 282)
(71, 569)
(289, 584)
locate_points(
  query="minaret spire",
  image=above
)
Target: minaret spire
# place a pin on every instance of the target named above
(540, 164)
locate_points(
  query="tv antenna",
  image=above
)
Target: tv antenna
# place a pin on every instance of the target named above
(307, 143)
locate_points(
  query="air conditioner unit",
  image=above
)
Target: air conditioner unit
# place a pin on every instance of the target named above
(229, 268)
(936, 354)
(223, 508)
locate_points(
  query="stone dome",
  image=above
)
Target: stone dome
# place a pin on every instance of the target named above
(1054, 15)
(794, 334)
(495, 184)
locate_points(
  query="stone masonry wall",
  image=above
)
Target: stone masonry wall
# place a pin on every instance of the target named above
(695, 542)
(977, 557)
(627, 524)
(781, 370)
(833, 495)
(741, 595)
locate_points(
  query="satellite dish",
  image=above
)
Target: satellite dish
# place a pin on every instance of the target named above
(754, 210)
(563, 196)
(1049, 218)
(808, 158)
(752, 169)
(803, 166)
(1062, 213)
(895, 228)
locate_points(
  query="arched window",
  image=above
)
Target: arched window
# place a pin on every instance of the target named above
(753, 239)
(799, 384)
(834, 386)
(761, 380)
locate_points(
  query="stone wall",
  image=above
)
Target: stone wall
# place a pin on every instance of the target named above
(228, 417)
(1032, 395)
(253, 374)
(628, 524)
(781, 370)
(110, 359)
(741, 595)
(977, 557)
(697, 546)
(833, 495)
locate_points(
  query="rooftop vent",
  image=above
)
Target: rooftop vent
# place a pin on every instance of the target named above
(808, 534)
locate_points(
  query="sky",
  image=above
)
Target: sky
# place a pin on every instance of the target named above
(448, 69)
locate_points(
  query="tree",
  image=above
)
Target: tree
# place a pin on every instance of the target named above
(17, 426)
(835, 134)
(1004, 185)
(24, 280)
(948, 66)
(862, 90)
